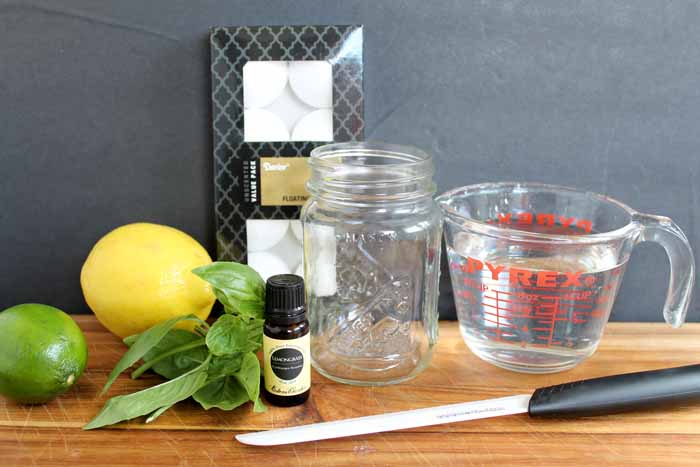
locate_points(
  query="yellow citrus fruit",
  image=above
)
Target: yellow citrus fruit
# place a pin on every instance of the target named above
(140, 274)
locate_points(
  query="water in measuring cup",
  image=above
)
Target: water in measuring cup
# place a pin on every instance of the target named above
(533, 311)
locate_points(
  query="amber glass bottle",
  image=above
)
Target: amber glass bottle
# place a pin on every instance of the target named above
(287, 364)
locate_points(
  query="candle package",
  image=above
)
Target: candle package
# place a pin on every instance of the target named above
(277, 93)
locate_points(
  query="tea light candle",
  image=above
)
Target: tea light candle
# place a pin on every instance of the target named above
(267, 264)
(263, 82)
(288, 250)
(264, 234)
(297, 229)
(312, 81)
(316, 126)
(263, 126)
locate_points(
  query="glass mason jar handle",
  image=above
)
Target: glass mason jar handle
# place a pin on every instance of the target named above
(665, 232)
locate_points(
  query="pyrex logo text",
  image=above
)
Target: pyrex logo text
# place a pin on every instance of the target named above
(549, 220)
(526, 277)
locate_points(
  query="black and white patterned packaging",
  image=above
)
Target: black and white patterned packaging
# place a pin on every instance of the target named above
(277, 93)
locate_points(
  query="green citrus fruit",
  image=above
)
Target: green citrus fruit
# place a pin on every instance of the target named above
(42, 353)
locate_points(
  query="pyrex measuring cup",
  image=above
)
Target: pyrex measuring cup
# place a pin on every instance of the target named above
(536, 268)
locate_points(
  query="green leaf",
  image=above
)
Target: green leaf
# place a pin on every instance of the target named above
(228, 335)
(223, 393)
(171, 365)
(129, 340)
(227, 392)
(258, 406)
(237, 286)
(255, 333)
(157, 413)
(142, 344)
(249, 375)
(248, 309)
(225, 365)
(129, 406)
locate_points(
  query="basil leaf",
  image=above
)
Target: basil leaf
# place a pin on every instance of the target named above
(129, 340)
(258, 406)
(231, 334)
(228, 335)
(157, 413)
(229, 392)
(223, 393)
(249, 377)
(173, 339)
(175, 365)
(143, 343)
(248, 309)
(237, 286)
(255, 333)
(225, 365)
(129, 406)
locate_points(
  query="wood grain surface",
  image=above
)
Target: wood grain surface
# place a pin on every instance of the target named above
(189, 436)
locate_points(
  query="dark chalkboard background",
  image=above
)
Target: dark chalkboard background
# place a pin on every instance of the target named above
(105, 114)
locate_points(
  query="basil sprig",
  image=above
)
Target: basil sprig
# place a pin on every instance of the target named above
(216, 366)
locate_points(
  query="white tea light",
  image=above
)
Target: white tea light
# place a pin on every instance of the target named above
(289, 108)
(267, 264)
(312, 81)
(322, 237)
(324, 282)
(263, 126)
(316, 126)
(297, 229)
(263, 234)
(289, 250)
(263, 82)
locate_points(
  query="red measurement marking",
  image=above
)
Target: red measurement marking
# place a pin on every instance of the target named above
(472, 284)
(578, 296)
(551, 289)
(501, 308)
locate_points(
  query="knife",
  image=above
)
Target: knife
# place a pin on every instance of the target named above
(598, 396)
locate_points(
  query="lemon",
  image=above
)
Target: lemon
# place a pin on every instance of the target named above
(42, 353)
(140, 274)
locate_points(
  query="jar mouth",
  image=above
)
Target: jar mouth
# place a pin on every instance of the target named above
(370, 172)
(369, 154)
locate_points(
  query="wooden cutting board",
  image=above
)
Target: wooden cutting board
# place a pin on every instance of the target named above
(189, 436)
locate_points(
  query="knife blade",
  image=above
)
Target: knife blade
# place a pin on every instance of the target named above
(609, 394)
(389, 422)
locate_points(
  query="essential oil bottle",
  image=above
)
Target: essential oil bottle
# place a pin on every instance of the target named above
(287, 363)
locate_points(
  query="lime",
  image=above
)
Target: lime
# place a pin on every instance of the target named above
(42, 353)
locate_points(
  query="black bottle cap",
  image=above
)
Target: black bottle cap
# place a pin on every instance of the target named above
(284, 296)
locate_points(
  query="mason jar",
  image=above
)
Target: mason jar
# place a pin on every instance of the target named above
(372, 236)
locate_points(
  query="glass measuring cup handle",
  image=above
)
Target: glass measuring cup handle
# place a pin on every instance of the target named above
(665, 232)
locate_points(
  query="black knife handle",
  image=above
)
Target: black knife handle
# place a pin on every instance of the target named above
(617, 393)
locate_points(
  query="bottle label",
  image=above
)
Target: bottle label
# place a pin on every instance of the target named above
(287, 365)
